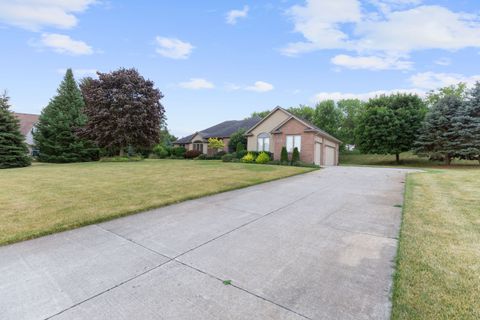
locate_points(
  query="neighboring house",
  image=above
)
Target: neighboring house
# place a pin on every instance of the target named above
(27, 123)
(223, 131)
(281, 128)
(278, 129)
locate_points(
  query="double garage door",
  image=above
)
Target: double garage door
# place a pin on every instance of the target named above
(329, 155)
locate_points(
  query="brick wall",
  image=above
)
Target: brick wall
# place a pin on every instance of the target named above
(294, 127)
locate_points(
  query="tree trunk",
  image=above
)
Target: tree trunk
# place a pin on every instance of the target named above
(397, 158)
(447, 159)
(122, 152)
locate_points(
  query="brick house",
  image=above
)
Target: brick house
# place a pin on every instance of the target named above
(278, 129)
(281, 128)
(223, 131)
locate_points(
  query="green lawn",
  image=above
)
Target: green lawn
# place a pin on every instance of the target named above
(407, 159)
(438, 262)
(47, 198)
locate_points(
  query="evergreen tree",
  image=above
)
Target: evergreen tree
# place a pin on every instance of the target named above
(467, 124)
(439, 136)
(284, 156)
(56, 135)
(295, 156)
(13, 150)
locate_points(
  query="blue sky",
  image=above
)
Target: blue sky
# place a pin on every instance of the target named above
(222, 60)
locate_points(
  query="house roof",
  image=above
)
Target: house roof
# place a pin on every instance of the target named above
(308, 124)
(27, 121)
(222, 130)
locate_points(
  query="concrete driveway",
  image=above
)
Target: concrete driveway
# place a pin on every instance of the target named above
(316, 246)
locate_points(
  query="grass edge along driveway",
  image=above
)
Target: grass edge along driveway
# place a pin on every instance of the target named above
(49, 198)
(438, 261)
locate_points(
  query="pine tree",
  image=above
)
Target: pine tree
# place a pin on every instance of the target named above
(56, 135)
(295, 156)
(13, 150)
(284, 156)
(439, 135)
(467, 124)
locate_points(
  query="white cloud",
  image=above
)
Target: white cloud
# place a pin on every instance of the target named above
(320, 24)
(371, 62)
(64, 44)
(80, 72)
(396, 29)
(443, 61)
(432, 80)
(400, 31)
(35, 14)
(260, 86)
(233, 15)
(196, 84)
(362, 96)
(173, 48)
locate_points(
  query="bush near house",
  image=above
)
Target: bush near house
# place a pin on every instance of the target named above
(249, 158)
(178, 152)
(191, 154)
(160, 151)
(262, 158)
(284, 156)
(295, 156)
(227, 157)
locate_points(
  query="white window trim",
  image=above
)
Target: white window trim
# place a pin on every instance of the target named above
(293, 145)
(263, 139)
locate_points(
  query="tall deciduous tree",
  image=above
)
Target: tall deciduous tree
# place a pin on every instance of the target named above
(56, 131)
(13, 150)
(439, 136)
(459, 90)
(350, 109)
(327, 117)
(390, 124)
(123, 109)
(303, 111)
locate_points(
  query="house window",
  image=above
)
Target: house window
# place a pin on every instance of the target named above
(294, 142)
(263, 142)
(198, 147)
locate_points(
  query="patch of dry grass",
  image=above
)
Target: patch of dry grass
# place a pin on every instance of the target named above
(47, 198)
(438, 263)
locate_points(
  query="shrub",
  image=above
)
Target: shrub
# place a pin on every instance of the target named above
(220, 154)
(235, 138)
(201, 156)
(242, 153)
(178, 152)
(295, 156)
(262, 158)
(240, 147)
(160, 151)
(248, 158)
(190, 154)
(227, 158)
(284, 156)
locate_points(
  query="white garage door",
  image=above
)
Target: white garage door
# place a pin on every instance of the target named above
(318, 155)
(329, 156)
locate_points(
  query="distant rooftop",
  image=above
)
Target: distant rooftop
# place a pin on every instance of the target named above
(27, 121)
(223, 130)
